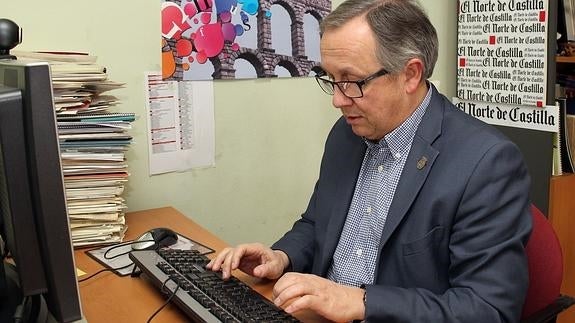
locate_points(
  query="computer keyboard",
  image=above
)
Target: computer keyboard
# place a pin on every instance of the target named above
(203, 295)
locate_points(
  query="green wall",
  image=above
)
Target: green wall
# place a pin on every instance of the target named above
(267, 150)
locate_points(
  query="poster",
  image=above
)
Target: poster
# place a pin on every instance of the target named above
(517, 116)
(502, 51)
(230, 39)
(180, 124)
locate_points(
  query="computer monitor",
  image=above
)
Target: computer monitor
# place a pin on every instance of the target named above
(34, 222)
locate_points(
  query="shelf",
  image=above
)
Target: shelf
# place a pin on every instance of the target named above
(561, 209)
(565, 59)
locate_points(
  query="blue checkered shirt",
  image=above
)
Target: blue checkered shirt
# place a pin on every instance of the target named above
(356, 253)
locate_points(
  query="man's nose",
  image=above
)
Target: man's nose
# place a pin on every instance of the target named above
(339, 99)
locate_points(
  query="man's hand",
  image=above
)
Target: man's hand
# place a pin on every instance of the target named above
(253, 259)
(333, 301)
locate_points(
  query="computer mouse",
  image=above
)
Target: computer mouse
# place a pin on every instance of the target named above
(155, 238)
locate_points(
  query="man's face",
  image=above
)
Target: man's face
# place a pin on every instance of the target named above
(348, 54)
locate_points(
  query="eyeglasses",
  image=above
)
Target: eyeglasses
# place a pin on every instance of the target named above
(351, 89)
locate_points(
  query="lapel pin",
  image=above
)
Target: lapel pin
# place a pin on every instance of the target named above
(421, 162)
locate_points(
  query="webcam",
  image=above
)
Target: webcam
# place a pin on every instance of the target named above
(10, 37)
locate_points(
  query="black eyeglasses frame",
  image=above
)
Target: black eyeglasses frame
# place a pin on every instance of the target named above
(343, 85)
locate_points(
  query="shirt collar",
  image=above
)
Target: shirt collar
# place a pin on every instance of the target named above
(399, 140)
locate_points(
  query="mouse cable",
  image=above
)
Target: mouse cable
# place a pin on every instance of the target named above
(103, 270)
(167, 301)
(122, 245)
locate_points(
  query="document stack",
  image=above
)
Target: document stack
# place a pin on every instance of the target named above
(93, 142)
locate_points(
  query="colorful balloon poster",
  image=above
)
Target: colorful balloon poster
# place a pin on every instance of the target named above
(236, 39)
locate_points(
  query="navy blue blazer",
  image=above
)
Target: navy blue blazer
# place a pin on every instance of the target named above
(452, 249)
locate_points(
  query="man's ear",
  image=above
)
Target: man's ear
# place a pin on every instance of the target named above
(413, 72)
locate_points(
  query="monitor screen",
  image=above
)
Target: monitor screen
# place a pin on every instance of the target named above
(32, 190)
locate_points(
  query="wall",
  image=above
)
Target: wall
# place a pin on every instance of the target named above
(267, 152)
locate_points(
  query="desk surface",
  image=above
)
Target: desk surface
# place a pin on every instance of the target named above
(110, 298)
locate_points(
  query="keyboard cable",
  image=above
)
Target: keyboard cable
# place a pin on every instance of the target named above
(167, 301)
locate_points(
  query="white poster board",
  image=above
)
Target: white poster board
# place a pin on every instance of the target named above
(502, 51)
(517, 116)
(180, 124)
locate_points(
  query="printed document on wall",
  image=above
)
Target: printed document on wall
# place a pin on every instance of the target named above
(181, 124)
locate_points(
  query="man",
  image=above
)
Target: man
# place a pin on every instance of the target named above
(420, 212)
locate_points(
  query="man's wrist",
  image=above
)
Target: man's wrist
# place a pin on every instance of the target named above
(363, 304)
(284, 259)
(359, 312)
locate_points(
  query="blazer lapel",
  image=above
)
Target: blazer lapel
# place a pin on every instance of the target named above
(415, 171)
(417, 166)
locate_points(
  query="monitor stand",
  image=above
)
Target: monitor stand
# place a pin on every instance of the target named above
(35, 310)
(10, 295)
(7, 56)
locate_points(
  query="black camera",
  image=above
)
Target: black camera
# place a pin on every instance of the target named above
(10, 37)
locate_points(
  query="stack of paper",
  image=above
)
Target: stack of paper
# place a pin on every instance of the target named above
(93, 142)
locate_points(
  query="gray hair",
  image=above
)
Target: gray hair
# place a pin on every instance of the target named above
(401, 28)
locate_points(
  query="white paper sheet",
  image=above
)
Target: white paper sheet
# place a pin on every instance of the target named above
(180, 124)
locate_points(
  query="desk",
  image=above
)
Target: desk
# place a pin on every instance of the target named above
(110, 298)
